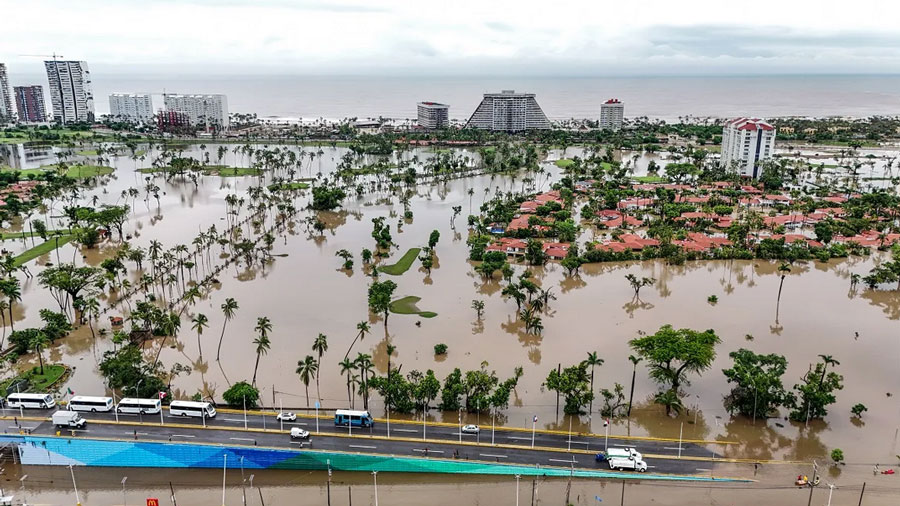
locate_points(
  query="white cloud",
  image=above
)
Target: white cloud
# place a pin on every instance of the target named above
(462, 36)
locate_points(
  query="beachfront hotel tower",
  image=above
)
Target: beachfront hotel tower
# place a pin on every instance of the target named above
(612, 114)
(134, 107)
(207, 110)
(6, 107)
(745, 143)
(509, 111)
(432, 115)
(30, 103)
(71, 93)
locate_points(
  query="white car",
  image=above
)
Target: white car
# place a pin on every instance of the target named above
(470, 429)
(298, 433)
(286, 416)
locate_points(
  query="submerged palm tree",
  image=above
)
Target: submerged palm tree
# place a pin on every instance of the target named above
(199, 323)
(307, 369)
(347, 367)
(228, 310)
(362, 329)
(263, 326)
(592, 360)
(320, 346)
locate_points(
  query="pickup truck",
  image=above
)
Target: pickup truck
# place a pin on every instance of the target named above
(68, 419)
(631, 464)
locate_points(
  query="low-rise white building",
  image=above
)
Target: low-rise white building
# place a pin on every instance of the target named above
(137, 107)
(745, 143)
(208, 110)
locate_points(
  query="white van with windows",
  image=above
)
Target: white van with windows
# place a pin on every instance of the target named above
(30, 401)
(191, 408)
(139, 406)
(91, 404)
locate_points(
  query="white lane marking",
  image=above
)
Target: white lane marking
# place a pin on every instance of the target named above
(233, 419)
(493, 456)
(405, 430)
(297, 423)
(182, 435)
(520, 438)
(241, 439)
(559, 460)
(362, 446)
(429, 451)
(673, 448)
(700, 469)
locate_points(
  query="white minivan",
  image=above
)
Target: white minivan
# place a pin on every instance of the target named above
(92, 404)
(191, 408)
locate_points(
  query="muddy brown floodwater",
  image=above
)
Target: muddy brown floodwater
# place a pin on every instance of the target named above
(305, 293)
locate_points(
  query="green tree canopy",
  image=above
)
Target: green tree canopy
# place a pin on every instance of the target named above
(757, 389)
(671, 354)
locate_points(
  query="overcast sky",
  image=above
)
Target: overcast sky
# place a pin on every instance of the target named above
(470, 37)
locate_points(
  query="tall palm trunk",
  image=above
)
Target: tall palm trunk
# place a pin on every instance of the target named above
(219, 348)
(255, 367)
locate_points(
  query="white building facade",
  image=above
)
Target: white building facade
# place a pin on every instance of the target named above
(136, 107)
(71, 92)
(207, 110)
(432, 115)
(509, 111)
(7, 114)
(612, 114)
(745, 143)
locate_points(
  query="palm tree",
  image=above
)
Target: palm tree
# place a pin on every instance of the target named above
(366, 368)
(38, 342)
(306, 369)
(783, 269)
(363, 329)
(347, 367)
(634, 362)
(199, 323)
(320, 346)
(10, 288)
(228, 309)
(3, 307)
(592, 360)
(92, 308)
(263, 326)
(829, 360)
(670, 400)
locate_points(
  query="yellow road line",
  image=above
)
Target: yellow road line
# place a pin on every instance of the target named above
(426, 441)
(509, 429)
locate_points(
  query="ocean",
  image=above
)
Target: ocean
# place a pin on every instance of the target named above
(668, 98)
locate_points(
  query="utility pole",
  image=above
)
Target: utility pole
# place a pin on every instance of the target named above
(74, 485)
(518, 476)
(812, 484)
(830, 492)
(243, 482)
(124, 502)
(172, 492)
(328, 483)
(622, 501)
(533, 485)
(861, 492)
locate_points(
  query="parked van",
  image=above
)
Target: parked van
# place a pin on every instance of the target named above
(32, 401)
(92, 404)
(139, 406)
(191, 408)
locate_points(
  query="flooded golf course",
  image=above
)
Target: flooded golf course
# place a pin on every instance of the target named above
(304, 291)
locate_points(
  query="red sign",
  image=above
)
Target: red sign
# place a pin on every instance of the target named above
(152, 501)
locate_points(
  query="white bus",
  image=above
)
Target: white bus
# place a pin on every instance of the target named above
(92, 404)
(191, 408)
(36, 401)
(139, 406)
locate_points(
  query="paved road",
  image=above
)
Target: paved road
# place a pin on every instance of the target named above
(511, 446)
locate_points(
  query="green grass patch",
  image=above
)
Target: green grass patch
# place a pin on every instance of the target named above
(42, 249)
(39, 382)
(407, 305)
(207, 170)
(288, 186)
(562, 163)
(403, 264)
(87, 171)
(648, 179)
(19, 235)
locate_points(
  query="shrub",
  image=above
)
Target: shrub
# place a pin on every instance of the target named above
(712, 299)
(236, 395)
(837, 455)
(858, 410)
(440, 349)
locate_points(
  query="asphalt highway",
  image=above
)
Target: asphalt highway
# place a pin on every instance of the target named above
(406, 439)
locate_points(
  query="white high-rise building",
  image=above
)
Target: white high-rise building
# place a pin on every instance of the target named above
(432, 115)
(136, 107)
(71, 93)
(745, 143)
(6, 105)
(211, 111)
(509, 111)
(612, 114)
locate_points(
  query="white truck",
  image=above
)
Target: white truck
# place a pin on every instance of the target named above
(623, 453)
(631, 464)
(68, 419)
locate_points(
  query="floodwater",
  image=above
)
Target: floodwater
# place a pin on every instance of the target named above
(304, 292)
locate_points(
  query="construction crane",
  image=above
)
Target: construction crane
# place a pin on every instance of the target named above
(54, 56)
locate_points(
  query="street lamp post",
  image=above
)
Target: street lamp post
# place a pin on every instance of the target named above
(22, 481)
(74, 485)
(124, 502)
(518, 476)
(375, 482)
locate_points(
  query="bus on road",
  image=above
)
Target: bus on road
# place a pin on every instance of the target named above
(139, 406)
(348, 417)
(92, 404)
(35, 401)
(191, 408)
